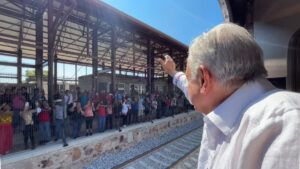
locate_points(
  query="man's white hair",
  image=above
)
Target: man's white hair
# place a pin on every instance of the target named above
(229, 52)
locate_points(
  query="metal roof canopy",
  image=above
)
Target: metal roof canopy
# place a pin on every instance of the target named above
(74, 23)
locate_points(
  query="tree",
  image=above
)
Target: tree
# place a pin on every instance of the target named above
(30, 75)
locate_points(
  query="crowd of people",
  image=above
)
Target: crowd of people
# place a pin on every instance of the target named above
(30, 114)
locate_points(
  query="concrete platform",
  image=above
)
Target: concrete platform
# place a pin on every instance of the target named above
(86, 149)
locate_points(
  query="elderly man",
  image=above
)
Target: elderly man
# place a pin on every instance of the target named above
(248, 123)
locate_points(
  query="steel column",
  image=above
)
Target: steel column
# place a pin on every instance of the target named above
(19, 67)
(152, 69)
(55, 74)
(95, 58)
(39, 49)
(149, 68)
(170, 79)
(103, 65)
(113, 61)
(51, 39)
(134, 71)
(76, 78)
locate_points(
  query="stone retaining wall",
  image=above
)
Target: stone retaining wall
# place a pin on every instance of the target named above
(84, 150)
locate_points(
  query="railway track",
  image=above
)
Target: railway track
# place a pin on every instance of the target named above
(188, 162)
(166, 155)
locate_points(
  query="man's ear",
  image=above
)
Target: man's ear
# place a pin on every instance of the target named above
(205, 79)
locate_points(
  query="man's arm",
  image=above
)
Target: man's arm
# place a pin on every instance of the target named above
(180, 81)
(179, 78)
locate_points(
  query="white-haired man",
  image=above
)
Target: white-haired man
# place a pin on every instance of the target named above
(248, 123)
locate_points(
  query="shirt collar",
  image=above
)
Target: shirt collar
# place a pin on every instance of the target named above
(225, 116)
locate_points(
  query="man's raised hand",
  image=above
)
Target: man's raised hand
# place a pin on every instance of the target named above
(168, 65)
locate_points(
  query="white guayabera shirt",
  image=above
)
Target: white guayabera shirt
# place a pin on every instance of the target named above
(258, 126)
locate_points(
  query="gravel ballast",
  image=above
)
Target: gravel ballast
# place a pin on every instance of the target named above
(109, 160)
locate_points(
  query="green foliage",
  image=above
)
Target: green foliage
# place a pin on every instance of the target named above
(30, 75)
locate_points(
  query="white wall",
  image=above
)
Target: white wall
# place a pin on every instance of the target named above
(275, 21)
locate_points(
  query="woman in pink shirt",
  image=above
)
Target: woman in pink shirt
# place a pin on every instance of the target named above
(89, 115)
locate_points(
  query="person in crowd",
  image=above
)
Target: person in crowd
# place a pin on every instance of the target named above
(248, 123)
(44, 122)
(109, 98)
(173, 106)
(37, 97)
(68, 97)
(141, 108)
(117, 113)
(160, 107)
(60, 117)
(102, 96)
(147, 108)
(18, 103)
(153, 108)
(129, 113)
(101, 110)
(26, 115)
(125, 108)
(6, 97)
(135, 109)
(167, 106)
(180, 104)
(133, 93)
(42, 95)
(6, 129)
(119, 96)
(96, 98)
(89, 116)
(76, 117)
(84, 99)
(25, 94)
(109, 116)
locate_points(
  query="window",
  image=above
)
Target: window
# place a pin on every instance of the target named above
(28, 61)
(121, 86)
(8, 74)
(9, 59)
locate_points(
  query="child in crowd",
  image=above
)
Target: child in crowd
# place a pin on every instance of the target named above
(26, 115)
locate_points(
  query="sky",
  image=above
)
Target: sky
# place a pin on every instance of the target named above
(181, 19)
